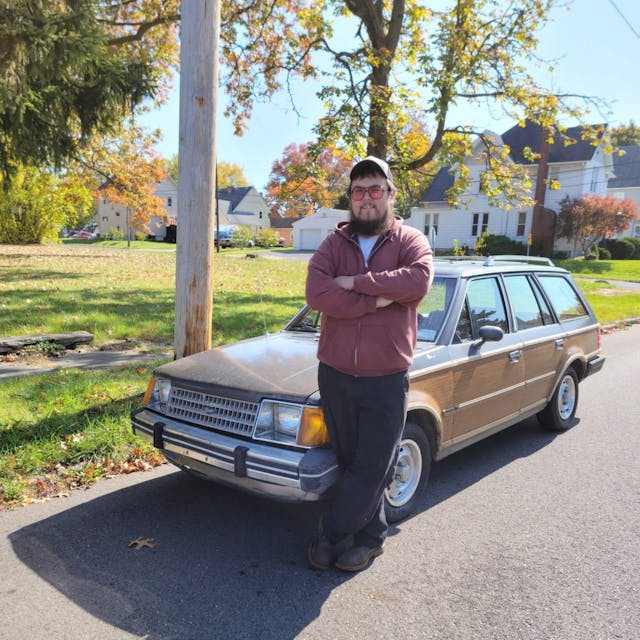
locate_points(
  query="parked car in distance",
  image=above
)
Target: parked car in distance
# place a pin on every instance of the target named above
(498, 341)
(225, 235)
(82, 234)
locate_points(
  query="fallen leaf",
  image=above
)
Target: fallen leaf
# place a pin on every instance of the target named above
(141, 543)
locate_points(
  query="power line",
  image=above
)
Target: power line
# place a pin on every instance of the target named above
(635, 33)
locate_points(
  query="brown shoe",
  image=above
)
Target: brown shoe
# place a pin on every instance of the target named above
(323, 553)
(357, 558)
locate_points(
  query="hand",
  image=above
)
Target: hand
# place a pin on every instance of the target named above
(346, 282)
(382, 302)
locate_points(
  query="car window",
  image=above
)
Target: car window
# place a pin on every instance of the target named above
(525, 304)
(563, 297)
(485, 304)
(434, 306)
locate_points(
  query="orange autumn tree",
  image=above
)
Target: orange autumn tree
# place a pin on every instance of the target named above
(301, 182)
(130, 167)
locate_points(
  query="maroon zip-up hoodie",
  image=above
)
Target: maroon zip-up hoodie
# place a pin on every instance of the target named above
(356, 337)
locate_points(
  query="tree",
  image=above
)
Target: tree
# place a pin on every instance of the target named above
(129, 167)
(300, 182)
(228, 174)
(37, 204)
(589, 219)
(407, 58)
(73, 69)
(626, 135)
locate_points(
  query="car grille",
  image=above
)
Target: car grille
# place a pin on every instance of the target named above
(226, 414)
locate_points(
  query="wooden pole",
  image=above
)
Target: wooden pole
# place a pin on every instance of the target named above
(199, 37)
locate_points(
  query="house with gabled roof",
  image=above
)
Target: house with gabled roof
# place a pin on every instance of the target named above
(115, 217)
(576, 169)
(243, 206)
(625, 183)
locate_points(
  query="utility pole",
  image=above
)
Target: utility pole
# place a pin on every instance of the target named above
(199, 37)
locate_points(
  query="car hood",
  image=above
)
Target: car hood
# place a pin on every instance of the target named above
(279, 366)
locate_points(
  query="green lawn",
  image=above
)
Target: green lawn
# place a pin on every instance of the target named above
(603, 269)
(69, 428)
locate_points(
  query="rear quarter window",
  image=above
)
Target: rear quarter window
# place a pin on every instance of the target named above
(563, 297)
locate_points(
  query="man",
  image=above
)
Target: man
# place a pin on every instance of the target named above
(367, 279)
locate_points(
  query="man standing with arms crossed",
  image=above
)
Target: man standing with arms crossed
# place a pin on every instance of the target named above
(367, 278)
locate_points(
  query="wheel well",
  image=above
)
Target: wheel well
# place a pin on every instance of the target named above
(579, 367)
(427, 423)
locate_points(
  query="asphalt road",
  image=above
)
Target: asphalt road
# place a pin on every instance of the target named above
(526, 536)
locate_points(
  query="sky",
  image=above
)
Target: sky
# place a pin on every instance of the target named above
(595, 45)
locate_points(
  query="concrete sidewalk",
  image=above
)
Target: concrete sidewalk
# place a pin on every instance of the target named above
(82, 360)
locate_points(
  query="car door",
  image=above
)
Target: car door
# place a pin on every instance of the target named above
(489, 376)
(543, 340)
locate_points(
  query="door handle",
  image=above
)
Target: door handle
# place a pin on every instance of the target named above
(559, 344)
(514, 356)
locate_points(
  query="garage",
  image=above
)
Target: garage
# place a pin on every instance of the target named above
(309, 232)
(310, 239)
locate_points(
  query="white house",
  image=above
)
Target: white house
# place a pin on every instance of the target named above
(310, 231)
(578, 168)
(243, 206)
(625, 183)
(112, 216)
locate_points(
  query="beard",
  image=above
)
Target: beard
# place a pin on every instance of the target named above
(368, 227)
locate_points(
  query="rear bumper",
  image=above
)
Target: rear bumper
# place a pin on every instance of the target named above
(257, 468)
(594, 365)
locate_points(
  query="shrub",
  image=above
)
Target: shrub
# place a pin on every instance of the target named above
(140, 235)
(497, 245)
(115, 234)
(604, 253)
(636, 244)
(267, 238)
(622, 249)
(241, 236)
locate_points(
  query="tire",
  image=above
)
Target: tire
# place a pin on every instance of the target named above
(559, 414)
(411, 474)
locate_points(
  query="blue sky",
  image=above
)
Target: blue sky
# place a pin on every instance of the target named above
(596, 49)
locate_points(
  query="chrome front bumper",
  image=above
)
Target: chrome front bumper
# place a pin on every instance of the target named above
(258, 468)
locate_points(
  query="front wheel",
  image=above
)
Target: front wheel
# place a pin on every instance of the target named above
(559, 414)
(411, 474)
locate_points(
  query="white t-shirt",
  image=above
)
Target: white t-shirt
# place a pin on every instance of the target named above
(366, 245)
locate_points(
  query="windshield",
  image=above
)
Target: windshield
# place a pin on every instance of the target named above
(432, 311)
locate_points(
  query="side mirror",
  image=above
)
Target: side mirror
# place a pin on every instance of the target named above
(488, 333)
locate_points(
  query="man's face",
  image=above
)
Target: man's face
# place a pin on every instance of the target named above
(369, 216)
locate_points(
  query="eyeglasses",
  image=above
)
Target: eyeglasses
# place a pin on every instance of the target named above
(375, 193)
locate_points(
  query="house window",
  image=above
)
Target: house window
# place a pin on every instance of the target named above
(260, 216)
(476, 223)
(618, 195)
(522, 222)
(594, 180)
(636, 230)
(105, 218)
(428, 223)
(104, 201)
(118, 213)
(169, 201)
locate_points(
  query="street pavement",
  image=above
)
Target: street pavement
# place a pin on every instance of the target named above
(527, 535)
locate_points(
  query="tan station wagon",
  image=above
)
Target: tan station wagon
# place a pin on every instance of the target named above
(498, 341)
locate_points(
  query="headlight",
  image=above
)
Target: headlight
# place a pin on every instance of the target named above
(157, 394)
(291, 424)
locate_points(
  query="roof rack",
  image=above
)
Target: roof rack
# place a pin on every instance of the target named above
(490, 260)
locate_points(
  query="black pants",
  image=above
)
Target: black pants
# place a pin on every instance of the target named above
(365, 418)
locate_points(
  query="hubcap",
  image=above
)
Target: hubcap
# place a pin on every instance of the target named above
(566, 397)
(407, 474)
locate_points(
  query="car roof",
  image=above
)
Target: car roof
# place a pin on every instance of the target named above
(463, 266)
